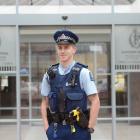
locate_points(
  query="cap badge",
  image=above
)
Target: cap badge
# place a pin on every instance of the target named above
(64, 37)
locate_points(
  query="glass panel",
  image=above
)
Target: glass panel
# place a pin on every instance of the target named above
(98, 53)
(134, 95)
(127, 81)
(121, 94)
(7, 113)
(7, 6)
(104, 90)
(7, 81)
(28, 2)
(25, 113)
(7, 96)
(43, 55)
(36, 113)
(65, 2)
(105, 112)
(124, 2)
(128, 60)
(24, 72)
(127, 6)
(85, 56)
(125, 129)
(24, 91)
(93, 50)
(7, 106)
(7, 2)
(7, 57)
(103, 57)
(74, 2)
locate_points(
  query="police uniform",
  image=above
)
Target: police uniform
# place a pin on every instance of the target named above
(74, 83)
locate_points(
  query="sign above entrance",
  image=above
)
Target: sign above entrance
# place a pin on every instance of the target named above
(127, 48)
(7, 50)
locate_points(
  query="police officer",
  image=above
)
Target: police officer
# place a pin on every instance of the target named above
(65, 87)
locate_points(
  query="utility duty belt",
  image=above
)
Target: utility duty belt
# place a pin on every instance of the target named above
(75, 116)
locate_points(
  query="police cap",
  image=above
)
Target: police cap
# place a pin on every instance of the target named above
(65, 37)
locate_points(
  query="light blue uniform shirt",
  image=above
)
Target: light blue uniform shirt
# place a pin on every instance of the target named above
(86, 80)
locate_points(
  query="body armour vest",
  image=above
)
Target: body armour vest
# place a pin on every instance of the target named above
(66, 93)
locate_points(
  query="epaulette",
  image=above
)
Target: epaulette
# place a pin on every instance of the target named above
(82, 65)
(55, 65)
(75, 71)
(52, 66)
(51, 70)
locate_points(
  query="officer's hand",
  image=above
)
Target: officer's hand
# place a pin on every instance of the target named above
(91, 130)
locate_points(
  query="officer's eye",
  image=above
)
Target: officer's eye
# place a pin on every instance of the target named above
(66, 46)
(60, 47)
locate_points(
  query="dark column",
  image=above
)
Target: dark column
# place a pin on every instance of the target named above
(8, 96)
(134, 95)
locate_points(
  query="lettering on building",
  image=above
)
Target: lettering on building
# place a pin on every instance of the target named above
(134, 38)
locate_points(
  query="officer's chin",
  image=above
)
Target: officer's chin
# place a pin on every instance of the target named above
(63, 59)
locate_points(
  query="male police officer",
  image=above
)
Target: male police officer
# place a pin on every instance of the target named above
(66, 87)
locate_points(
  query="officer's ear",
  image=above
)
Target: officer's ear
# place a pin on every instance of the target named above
(75, 49)
(56, 48)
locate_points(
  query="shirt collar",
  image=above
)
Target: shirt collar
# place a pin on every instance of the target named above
(66, 70)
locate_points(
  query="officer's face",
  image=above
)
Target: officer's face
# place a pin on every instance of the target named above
(66, 52)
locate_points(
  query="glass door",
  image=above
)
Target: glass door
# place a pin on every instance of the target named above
(38, 53)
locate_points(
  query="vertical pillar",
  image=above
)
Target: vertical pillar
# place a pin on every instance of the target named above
(113, 78)
(18, 102)
(30, 81)
(134, 83)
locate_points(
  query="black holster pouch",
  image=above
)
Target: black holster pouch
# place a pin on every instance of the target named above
(84, 119)
(55, 117)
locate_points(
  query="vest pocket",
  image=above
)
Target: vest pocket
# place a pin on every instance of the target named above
(53, 101)
(74, 100)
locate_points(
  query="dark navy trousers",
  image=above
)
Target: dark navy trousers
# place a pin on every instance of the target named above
(63, 132)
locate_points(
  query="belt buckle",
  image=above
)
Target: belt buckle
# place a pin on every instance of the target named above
(64, 122)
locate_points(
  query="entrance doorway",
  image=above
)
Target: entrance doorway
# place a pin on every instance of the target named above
(38, 53)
